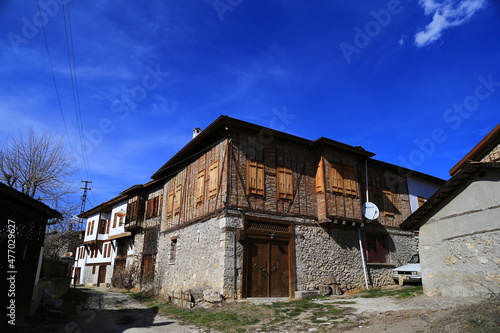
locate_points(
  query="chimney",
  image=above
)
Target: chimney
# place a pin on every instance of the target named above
(196, 131)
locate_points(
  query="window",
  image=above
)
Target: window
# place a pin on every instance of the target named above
(376, 248)
(115, 220)
(170, 203)
(285, 184)
(320, 176)
(109, 250)
(120, 221)
(90, 228)
(177, 200)
(200, 186)
(153, 207)
(108, 225)
(388, 204)
(342, 179)
(173, 250)
(335, 178)
(255, 178)
(213, 179)
(102, 226)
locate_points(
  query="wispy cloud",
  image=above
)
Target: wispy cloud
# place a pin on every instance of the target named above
(445, 14)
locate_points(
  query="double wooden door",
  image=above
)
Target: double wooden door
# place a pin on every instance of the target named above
(268, 268)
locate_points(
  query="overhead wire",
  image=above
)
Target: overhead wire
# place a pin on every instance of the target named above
(58, 95)
(74, 84)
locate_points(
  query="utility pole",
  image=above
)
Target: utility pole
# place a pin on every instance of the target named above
(84, 196)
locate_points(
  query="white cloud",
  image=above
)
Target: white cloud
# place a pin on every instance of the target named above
(445, 14)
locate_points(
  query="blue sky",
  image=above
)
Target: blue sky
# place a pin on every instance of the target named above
(416, 82)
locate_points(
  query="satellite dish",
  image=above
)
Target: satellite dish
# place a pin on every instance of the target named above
(370, 211)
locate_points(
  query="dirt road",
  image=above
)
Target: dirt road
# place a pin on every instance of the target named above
(111, 312)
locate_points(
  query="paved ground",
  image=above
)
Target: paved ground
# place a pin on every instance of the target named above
(111, 312)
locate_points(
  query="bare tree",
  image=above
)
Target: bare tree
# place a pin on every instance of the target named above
(39, 166)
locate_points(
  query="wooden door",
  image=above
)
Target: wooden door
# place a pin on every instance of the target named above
(267, 268)
(279, 269)
(78, 271)
(101, 278)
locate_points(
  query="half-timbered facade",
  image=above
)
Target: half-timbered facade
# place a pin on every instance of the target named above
(254, 212)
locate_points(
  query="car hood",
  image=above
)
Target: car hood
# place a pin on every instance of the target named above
(409, 267)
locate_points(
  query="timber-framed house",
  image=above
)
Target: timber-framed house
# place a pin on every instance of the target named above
(254, 212)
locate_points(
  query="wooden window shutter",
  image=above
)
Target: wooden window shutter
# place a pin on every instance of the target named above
(285, 184)
(255, 178)
(115, 220)
(177, 200)
(335, 177)
(200, 186)
(109, 250)
(320, 176)
(108, 226)
(213, 179)
(150, 208)
(388, 202)
(350, 185)
(120, 221)
(170, 203)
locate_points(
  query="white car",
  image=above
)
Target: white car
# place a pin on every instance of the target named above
(409, 272)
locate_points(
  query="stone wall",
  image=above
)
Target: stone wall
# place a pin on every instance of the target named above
(459, 243)
(323, 253)
(204, 258)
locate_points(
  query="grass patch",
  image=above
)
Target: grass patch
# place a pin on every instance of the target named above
(405, 292)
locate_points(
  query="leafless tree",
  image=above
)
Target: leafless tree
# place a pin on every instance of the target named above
(39, 166)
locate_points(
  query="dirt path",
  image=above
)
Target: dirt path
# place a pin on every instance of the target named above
(113, 312)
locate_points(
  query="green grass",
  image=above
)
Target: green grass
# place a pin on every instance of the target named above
(405, 292)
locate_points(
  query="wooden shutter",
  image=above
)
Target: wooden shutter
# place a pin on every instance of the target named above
(177, 200)
(150, 208)
(388, 202)
(335, 177)
(255, 178)
(200, 186)
(115, 219)
(170, 203)
(349, 176)
(320, 176)
(213, 179)
(285, 184)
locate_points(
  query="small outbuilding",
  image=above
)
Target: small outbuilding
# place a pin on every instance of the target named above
(460, 227)
(22, 232)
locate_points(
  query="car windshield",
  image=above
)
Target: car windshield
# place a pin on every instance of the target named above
(414, 259)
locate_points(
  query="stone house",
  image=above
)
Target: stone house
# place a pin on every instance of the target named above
(459, 227)
(254, 212)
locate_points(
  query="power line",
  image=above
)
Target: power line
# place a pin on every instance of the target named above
(74, 84)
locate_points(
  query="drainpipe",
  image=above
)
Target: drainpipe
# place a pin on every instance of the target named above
(359, 232)
(363, 259)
